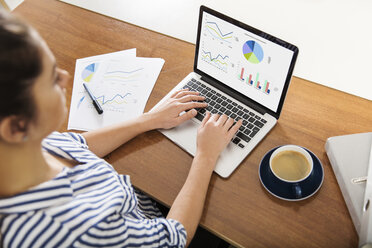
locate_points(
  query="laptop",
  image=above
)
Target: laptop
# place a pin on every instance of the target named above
(244, 73)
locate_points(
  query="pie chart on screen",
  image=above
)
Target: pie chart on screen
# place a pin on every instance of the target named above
(89, 71)
(253, 52)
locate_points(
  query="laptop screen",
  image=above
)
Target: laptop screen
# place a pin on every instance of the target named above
(245, 59)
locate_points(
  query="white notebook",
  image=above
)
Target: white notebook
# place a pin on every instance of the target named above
(349, 157)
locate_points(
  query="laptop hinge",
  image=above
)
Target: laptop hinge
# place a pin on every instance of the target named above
(238, 96)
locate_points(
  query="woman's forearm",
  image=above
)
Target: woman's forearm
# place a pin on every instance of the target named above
(188, 205)
(105, 140)
(167, 115)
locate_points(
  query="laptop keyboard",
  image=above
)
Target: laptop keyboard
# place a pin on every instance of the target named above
(219, 104)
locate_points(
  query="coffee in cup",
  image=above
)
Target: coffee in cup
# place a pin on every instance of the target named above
(291, 163)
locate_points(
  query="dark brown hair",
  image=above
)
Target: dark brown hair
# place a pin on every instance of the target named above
(20, 65)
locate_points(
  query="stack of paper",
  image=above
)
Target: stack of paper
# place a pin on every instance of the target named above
(121, 83)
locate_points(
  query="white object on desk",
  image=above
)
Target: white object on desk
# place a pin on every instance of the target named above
(349, 156)
(333, 35)
(11, 4)
(120, 82)
(365, 236)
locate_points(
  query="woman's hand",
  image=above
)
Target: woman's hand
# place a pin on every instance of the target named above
(214, 134)
(167, 115)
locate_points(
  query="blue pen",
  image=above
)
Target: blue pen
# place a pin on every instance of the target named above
(96, 105)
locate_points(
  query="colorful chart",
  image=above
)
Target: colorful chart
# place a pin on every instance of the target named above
(253, 52)
(89, 71)
(218, 61)
(118, 99)
(255, 83)
(123, 76)
(217, 33)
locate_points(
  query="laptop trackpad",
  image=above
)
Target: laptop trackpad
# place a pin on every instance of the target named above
(184, 135)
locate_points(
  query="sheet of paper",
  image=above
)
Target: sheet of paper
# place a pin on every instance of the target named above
(120, 83)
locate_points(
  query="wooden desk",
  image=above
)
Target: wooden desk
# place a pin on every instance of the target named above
(237, 209)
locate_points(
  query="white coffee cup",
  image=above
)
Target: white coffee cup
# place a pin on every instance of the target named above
(290, 151)
(291, 164)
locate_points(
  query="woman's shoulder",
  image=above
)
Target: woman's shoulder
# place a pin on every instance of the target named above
(69, 146)
(67, 138)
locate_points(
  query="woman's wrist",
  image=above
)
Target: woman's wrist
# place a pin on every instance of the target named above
(208, 160)
(147, 122)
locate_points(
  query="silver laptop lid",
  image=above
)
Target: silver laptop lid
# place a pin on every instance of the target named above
(246, 63)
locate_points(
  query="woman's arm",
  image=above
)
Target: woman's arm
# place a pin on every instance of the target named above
(188, 206)
(105, 140)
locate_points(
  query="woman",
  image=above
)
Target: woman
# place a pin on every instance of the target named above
(55, 190)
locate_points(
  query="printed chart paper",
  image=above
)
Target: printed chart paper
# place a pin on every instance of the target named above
(120, 82)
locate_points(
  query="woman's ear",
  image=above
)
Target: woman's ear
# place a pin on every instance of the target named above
(13, 129)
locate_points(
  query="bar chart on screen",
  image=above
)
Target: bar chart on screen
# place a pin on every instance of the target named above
(253, 80)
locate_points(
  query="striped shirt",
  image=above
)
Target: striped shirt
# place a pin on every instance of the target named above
(89, 205)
